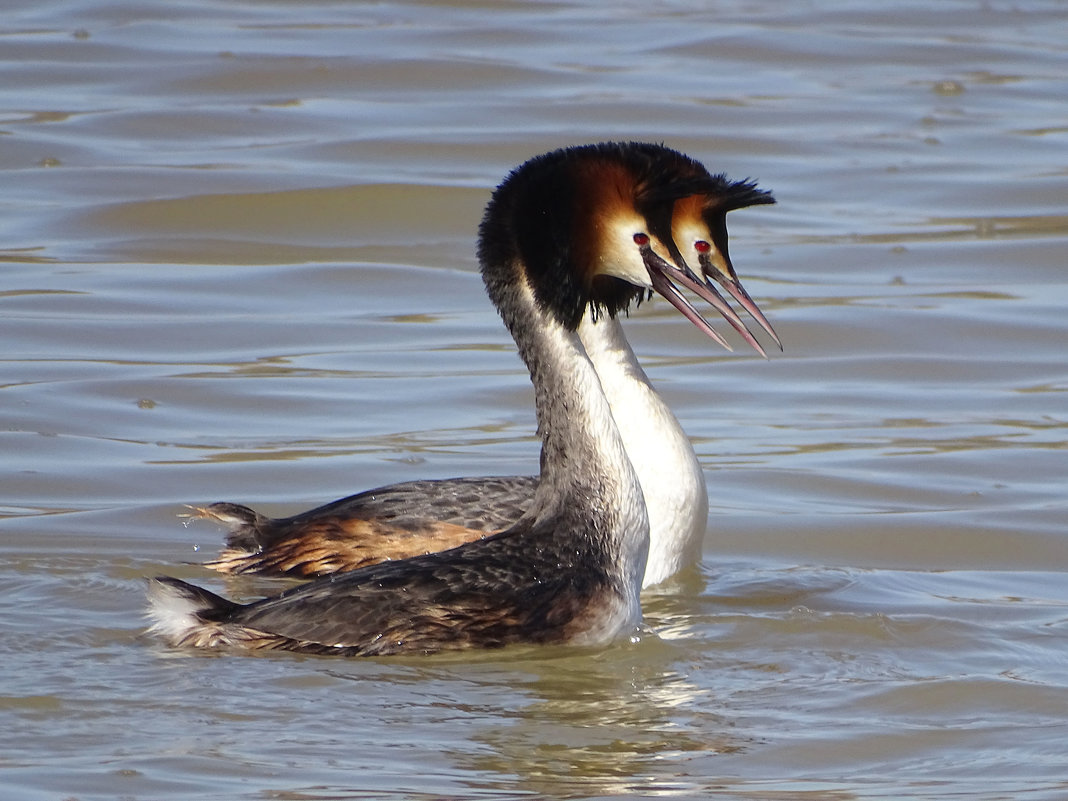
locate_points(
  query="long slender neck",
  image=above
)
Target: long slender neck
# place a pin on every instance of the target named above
(667, 467)
(587, 479)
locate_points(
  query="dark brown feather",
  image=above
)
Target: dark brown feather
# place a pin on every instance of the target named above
(386, 523)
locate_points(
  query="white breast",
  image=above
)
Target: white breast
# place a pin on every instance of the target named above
(667, 467)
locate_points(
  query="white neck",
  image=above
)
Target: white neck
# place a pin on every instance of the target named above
(663, 458)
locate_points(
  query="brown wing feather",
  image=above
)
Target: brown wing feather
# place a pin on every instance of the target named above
(388, 523)
(335, 545)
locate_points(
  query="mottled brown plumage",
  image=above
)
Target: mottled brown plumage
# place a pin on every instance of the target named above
(387, 523)
(497, 592)
(569, 570)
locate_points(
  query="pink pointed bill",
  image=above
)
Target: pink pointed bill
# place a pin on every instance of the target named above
(737, 291)
(662, 273)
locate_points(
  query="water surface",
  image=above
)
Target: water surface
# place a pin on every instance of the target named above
(237, 244)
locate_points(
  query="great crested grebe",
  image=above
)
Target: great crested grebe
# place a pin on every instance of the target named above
(576, 229)
(418, 517)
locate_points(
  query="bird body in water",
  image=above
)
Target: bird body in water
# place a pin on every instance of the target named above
(568, 241)
(417, 517)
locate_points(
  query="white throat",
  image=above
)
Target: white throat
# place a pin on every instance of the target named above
(663, 458)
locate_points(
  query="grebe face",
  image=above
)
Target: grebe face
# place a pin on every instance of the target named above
(631, 252)
(700, 233)
(611, 236)
(701, 243)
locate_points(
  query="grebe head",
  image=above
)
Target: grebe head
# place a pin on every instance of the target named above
(699, 229)
(592, 227)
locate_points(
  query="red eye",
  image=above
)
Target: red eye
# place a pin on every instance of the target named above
(641, 240)
(701, 246)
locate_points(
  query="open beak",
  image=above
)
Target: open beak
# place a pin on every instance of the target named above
(661, 275)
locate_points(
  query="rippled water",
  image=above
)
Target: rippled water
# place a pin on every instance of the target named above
(237, 249)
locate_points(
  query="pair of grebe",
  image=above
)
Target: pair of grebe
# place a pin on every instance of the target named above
(568, 241)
